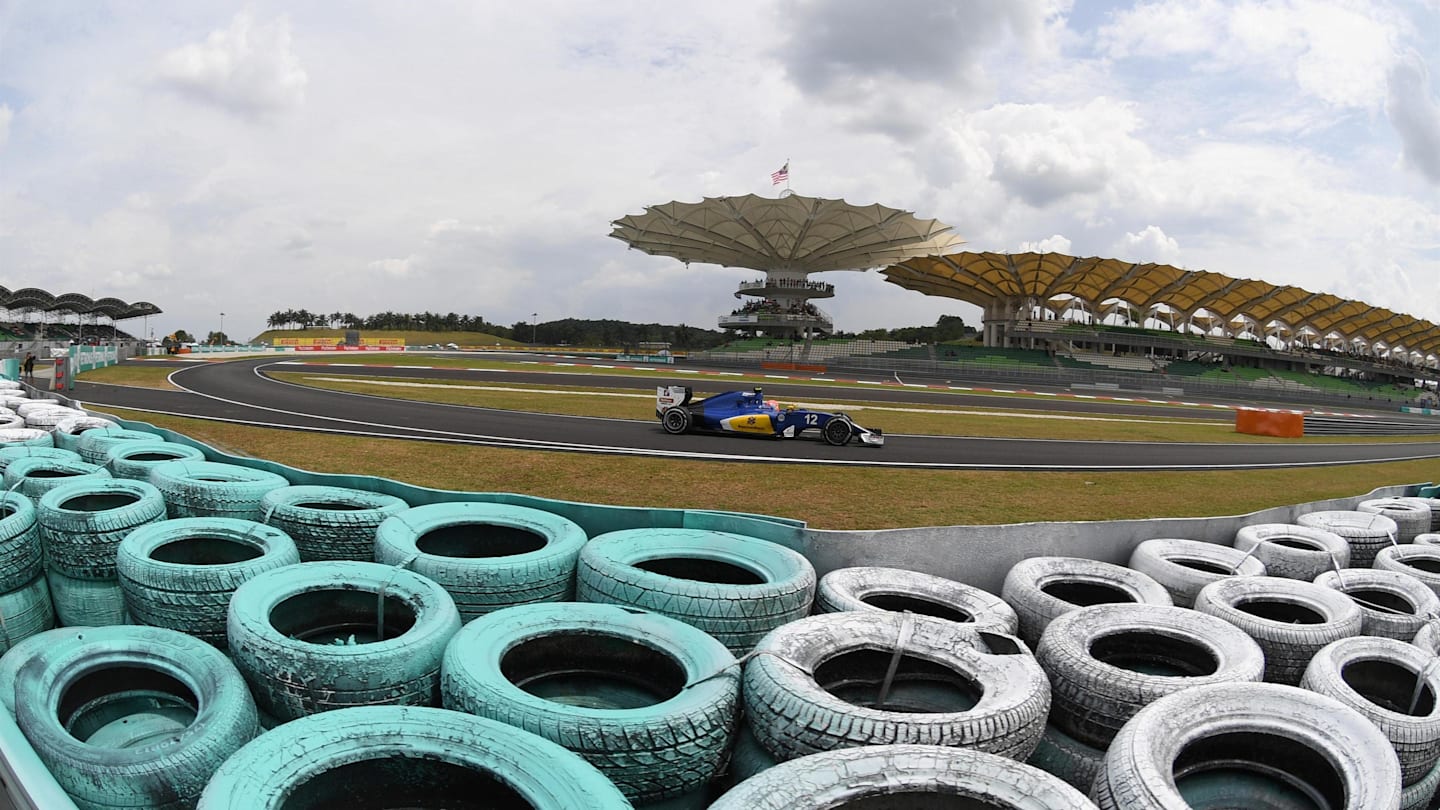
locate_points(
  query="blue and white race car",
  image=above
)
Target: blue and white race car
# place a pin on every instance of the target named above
(750, 413)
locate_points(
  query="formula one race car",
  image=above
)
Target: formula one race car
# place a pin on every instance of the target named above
(749, 412)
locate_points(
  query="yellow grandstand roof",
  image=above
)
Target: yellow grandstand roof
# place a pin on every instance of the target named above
(982, 278)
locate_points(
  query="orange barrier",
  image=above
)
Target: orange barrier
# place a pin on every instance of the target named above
(1269, 423)
(792, 367)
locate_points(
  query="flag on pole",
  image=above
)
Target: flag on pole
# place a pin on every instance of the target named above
(778, 177)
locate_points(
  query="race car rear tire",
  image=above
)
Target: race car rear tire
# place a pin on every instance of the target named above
(837, 431)
(676, 421)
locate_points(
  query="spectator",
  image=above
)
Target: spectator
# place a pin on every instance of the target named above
(29, 366)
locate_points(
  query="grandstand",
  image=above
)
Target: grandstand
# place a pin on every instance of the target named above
(32, 319)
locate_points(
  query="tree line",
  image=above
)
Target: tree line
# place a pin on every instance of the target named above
(585, 332)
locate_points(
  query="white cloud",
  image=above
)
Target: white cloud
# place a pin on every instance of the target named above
(1415, 114)
(6, 116)
(1336, 52)
(1147, 245)
(1050, 244)
(247, 68)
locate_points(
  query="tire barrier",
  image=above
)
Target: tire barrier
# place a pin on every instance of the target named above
(1294, 551)
(1290, 620)
(1411, 515)
(1041, 588)
(68, 431)
(44, 415)
(25, 611)
(1183, 567)
(11, 421)
(21, 555)
(1419, 561)
(1395, 686)
(1365, 532)
(405, 756)
(14, 452)
(747, 756)
(181, 573)
(330, 523)
(1392, 604)
(896, 589)
(326, 635)
(1248, 745)
(25, 436)
(903, 776)
(487, 555)
(20, 653)
(1058, 754)
(1433, 504)
(135, 460)
(838, 680)
(35, 476)
(1418, 794)
(1427, 539)
(129, 717)
(1427, 638)
(87, 602)
(213, 489)
(82, 521)
(25, 407)
(94, 445)
(649, 700)
(1107, 662)
(735, 588)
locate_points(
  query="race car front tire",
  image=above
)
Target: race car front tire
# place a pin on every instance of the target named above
(837, 431)
(676, 421)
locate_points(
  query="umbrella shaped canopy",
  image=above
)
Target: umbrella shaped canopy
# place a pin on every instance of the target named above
(791, 233)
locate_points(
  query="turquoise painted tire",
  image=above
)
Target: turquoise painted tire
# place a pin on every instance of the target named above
(330, 523)
(181, 573)
(21, 557)
(94, 445)
(33, 477)
(733, 587)
(81, 523)
(25, 436)
(814, 685)
(214, 489)
(68, 431)
(27, 611)
(14, 452)
(1058, 754)
(648, 700)
(405, 756)
(290, 632)
(747, 756)
(135, 460)
(17, 655)
(128, 717)
(487, 555)
(87, 602)
(901, 776)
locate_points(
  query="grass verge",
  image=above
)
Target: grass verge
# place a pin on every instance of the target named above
(826, 498)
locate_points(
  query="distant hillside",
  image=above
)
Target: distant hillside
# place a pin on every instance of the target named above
(412, 337)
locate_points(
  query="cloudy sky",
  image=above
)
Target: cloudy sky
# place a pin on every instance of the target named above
(469, 156)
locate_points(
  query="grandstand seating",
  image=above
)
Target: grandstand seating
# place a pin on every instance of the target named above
(1118, 362)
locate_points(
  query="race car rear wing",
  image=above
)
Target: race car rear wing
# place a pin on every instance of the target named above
(668, 396)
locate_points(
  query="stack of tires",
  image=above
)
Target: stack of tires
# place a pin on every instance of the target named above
(81, 525)
(25, 602)
(68, 431)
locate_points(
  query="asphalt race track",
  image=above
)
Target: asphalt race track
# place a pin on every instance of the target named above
(238, 391)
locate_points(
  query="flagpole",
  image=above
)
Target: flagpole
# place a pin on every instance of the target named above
(787, 174)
